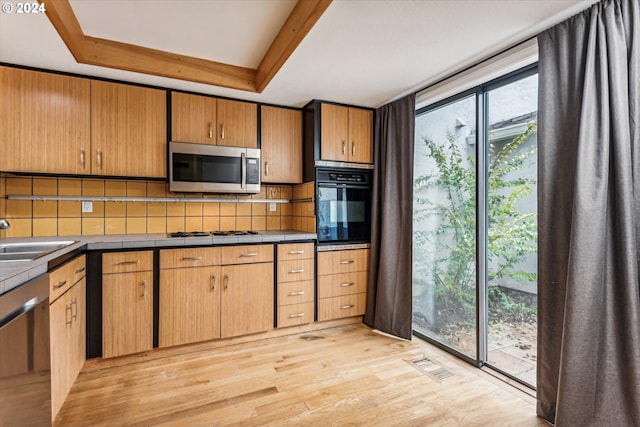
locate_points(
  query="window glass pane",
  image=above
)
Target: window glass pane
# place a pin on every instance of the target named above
(512, 228)
(444, 246)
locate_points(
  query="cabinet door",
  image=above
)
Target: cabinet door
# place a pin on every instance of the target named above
(128, 130)
(281, 143)
(193, 118)
(360, 125)
(189, 305)
(45, 122)
(127, 313)
(61, 350)
(247, 299)
(334, 125)
(237, 123)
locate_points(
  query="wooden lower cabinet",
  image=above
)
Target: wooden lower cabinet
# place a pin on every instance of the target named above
(189, 305)
(296, 271)
(210, 293)
(247, 299)
(342, 283)
(67, 327)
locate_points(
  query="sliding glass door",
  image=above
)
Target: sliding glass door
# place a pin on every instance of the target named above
(444, 246)
(475, 229)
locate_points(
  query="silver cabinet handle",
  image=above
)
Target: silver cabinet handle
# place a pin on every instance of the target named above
(296, 252)
(243, 170)
(296, 315)
(127, 262)
(144, 289)
(293, 294)
(346, 307)
(300, 270)
(347, 261)
(266, 168)
(210, 130)
(74, 316)
(67, 319)
(249, 254)
(99, 158)
(80, 270)
(59, 285)
(191, 258)
(227, 279)
(82, 157)
(222, 131)
(214, 279)
(345, 285)
(344, 147)
(353, 148)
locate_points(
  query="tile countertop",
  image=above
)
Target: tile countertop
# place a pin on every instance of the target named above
(13, 274)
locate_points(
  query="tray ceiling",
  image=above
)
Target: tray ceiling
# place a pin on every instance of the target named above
(362, 52)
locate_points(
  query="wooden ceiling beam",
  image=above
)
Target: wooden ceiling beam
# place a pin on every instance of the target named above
(302, 18)
(112, 54)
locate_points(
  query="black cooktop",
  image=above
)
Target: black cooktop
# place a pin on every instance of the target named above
(211, 233)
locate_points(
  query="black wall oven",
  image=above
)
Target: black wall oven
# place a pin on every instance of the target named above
(343, 205)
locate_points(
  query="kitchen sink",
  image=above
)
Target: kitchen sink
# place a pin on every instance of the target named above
(14, 252)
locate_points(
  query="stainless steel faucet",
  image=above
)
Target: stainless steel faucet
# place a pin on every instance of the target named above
(4, 224)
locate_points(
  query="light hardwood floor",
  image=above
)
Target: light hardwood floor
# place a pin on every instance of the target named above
(347, 375)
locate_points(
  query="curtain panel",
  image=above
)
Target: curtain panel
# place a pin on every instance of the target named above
(589, 218)
(389, 288)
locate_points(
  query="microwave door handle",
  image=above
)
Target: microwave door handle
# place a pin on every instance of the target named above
(243, 169)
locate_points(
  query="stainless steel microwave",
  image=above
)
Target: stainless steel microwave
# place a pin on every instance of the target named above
(201, 168)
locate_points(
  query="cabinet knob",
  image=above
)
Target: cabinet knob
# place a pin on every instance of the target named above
(346, 307)
(82, 157)
(300, 270)
(266, 168)
(144, 289)
(345, 285)
(249, 254)
(296, 252)
(210, 130)
(214, 279)
(344, 148)
(293, 294)
(222, 131)
(353, 148)
(296, 315)
(227, 279)
(347, 261)
(74, 316)
(99, 158)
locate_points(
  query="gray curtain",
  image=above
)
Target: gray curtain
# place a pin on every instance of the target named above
(389, 291)
(589, 218)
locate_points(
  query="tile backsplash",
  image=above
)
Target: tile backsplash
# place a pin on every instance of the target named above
(65, 217)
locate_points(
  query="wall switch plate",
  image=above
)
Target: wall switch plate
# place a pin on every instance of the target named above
(87, 206)
(272, 206)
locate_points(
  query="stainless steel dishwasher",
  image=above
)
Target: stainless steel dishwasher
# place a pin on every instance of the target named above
(25, 368)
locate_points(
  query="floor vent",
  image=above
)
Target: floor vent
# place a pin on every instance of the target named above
(433, 369)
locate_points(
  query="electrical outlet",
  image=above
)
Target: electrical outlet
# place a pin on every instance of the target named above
(87, 206)
(272, 206)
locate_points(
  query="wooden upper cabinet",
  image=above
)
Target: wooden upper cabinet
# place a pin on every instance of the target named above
(334, 131)
(193, 118)
(205, 120)
(128, 127)
(360, 138)
(45, 122)
(237, 123)
(281, 142)
(345, 134)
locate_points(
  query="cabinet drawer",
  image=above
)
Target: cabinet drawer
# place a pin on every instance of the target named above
(333, 285)
(295, 314)
(66, 276)
(295, 292)
(291, 251)
(125, 262)
(189, 257)
(296, 270)
(343, 261)
(247, 254)
(343, 306)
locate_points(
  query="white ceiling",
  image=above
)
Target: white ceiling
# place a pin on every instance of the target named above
(362, 52)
